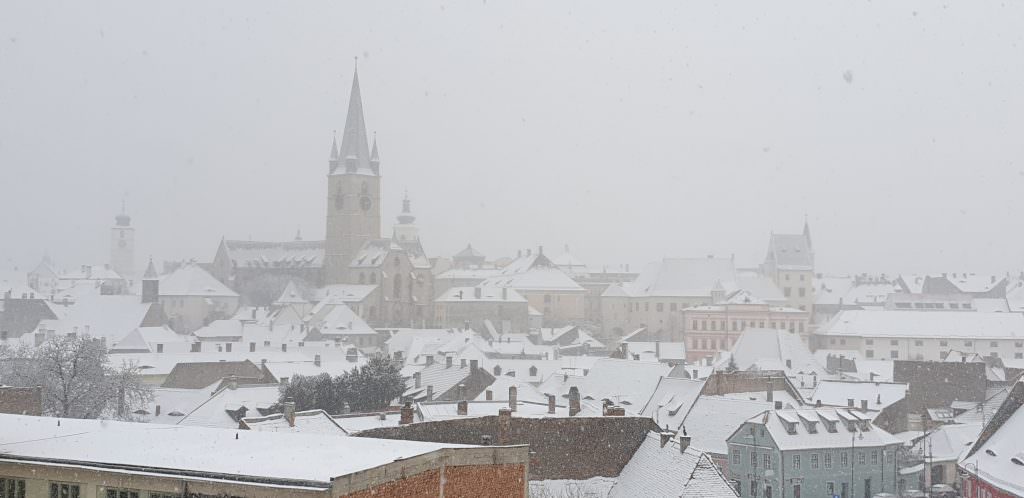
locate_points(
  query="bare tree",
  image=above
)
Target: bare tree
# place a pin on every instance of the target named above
(78, 381)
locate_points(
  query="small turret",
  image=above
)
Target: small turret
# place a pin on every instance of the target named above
(375, 157)
(333, 161)
(150, 284)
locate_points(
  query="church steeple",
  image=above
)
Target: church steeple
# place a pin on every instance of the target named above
(807, 231)
(375, 157)
(354, 155)
(122, 219)
(406, 218)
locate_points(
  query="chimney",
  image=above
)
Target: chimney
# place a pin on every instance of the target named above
(416, 377)
(817, 404)
(778, 405)
(863, 405)
(157, 410)
(504, 426)
(574, 401)
(473, 364)
(477, 292)
(430, 360)
(430, 393)
(657, 350)
(849, 402)
(316, 360)
(462, 364)
(462, 391)
(288, 409)
(512, 395)
(684, 442)
(615, 411)
(448, 361)
(406, 414)
(463, 407)
(232, 382)
(665, 438)
(489, 395)
(770, 391)
(551, 404)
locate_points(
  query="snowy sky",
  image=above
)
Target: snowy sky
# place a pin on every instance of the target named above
(671, 129)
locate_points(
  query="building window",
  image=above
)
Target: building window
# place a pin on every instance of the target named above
(919, 343)
(803, 292)
(767, 492)
(1018, 344)
(736, 455)
(969, 343)
(767, 461)
(159, 348)
(943, 343)
(796, 462)
(659, 307)
(874, 457)
(12, 488)
(695, 325)
(64, 490)
(753, 489)
(703, 324)
(673, 307)
(753, 458)
(894, 355)
(830, 488)
(814, 460)
(894, 342)
(373, 278)
(647, 306)
(844, 459)
(828, 459)
(121, 493)
(861, 458)
(869, 353)
(787, 291)
(993, 344)
(1018, 356)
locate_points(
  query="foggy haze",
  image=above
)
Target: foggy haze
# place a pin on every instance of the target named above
(628, 134)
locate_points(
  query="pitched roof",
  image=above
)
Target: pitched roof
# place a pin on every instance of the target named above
(227, 406)
(199, 375)
(791, 251)
(290, 295)
(997, 456)
(898, 323)
(683, 277)
(726, 412)
(789, 429)
(625, 382)
(671, 401)
(656, 470)
(309, 422)
(287, 254)
(191, 280)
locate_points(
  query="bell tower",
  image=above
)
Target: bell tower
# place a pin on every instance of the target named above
(122, 246)
(353, 192)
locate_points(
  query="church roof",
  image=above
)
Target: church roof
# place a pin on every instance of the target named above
(354, 141)
(469, 252)
(791, 251)
(290, 295)
(288, 254)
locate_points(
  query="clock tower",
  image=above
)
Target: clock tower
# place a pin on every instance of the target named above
(353, 192)
(122, 246)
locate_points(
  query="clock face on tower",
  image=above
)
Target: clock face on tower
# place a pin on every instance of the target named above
(365, 203)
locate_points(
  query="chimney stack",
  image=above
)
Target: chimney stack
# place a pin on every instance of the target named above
(778, 405)
(462, 391)
(416, 378)
(430, 393)
(864, 405)
(289, 411)
(406, 414)
(430, 360)
(551, 404)
(615, 411)
(770, 392)
(666, 437)
(448, 361)
(504, 426)
(574, 401)
(512, 395)
(462, 363)
(473, 364)
(684, 442)
(463, 407)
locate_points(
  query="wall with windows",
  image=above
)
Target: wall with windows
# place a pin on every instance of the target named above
(884, 347)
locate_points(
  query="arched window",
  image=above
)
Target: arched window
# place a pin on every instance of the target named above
(533, 371)
(497, 370)
(397, 287)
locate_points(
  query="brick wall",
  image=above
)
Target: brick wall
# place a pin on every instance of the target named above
(21, 400)
(561, 448)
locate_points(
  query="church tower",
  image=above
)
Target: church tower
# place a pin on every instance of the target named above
(122, 246)
(353, 192)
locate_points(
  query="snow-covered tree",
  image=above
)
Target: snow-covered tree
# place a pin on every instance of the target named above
(371, 387)
(78, 381)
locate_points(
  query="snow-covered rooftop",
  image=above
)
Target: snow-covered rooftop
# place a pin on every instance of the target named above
(925, 324)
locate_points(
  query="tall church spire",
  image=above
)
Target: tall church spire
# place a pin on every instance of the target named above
(807, 231)
(375, 157)
(354, 155)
